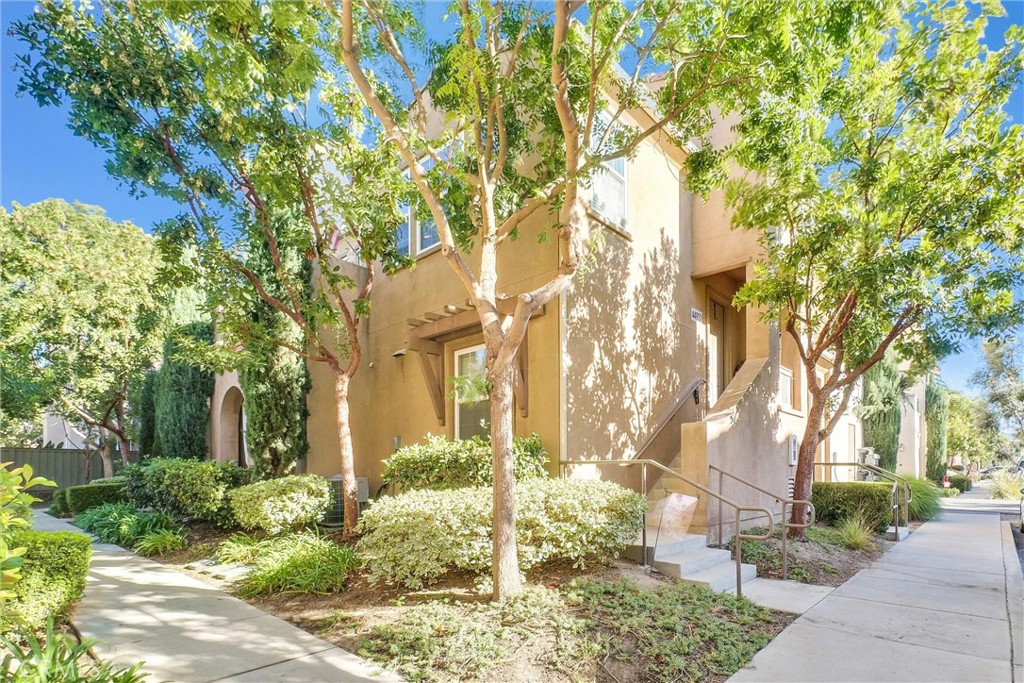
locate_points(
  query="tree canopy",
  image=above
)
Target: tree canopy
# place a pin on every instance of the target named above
(889, 194)
(80, 310)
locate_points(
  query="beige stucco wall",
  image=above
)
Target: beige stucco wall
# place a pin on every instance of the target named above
(912, 454)
(631, 346)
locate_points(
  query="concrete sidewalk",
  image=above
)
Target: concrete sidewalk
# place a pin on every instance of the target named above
(946, 604)
(186, 630)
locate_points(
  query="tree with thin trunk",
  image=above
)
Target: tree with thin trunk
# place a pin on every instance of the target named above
(889, 193)
(534, 101)
(238, 112)
(79, 315)
(1001, 381)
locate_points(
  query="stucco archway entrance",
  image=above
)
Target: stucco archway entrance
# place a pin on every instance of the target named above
(231, 430)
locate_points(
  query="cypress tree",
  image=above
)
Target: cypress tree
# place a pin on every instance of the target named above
(880, 412)
(936, 416)
(147, 413)
(275, 380)
(183, 396)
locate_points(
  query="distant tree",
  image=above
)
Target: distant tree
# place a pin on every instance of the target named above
(237, 111)
(889, 193)
(79, 315)
(936, 415)
(1001, 381)
(970, 434)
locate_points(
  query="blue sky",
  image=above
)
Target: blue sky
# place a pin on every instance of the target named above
(41, 158)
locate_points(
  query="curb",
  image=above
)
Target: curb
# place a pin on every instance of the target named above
(1014, 601)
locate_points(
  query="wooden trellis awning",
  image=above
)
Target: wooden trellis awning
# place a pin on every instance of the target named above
(427, 336)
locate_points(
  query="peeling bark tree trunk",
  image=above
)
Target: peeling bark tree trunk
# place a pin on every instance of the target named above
(348, 472)
(805, 465)
(505, 564)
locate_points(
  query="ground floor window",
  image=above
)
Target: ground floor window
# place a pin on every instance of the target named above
(472, 407)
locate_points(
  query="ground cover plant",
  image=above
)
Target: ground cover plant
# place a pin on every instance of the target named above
(829, 556)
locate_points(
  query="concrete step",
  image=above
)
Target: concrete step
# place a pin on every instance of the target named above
(688, 543)
(721, 577)
(686, 564)
(890, 533)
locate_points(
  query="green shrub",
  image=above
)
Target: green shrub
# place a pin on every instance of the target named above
(59, 504)
(304, 562)
(961, 482)
(418, 536)
(123, 523)
(277, 505)
(924, 501)
(442, 464)
(855, 533)
(56, 656)
(835, 501)
(181, 397)
(81, 498)
(52, 577)
(189, 489)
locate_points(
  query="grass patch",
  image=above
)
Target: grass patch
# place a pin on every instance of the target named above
(145, 531)
(855, 534)
(302, 563)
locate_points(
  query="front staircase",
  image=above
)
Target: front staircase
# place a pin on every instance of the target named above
(689, 559)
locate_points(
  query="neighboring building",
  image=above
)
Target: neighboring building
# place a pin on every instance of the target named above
(643, 357)
(61, 433)
(912, 457)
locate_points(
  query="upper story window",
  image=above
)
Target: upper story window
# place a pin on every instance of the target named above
(785, 387)
(608, 190)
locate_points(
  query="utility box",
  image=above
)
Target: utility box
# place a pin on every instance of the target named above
(867, 456)
(336, 513)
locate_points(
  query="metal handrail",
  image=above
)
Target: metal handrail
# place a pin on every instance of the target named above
(779, 499)
(896, 480)
(738, 538)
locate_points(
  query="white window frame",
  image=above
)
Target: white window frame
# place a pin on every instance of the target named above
(786, 379)
(455, 371)
(622, 224)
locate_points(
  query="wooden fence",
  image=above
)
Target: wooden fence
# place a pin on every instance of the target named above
(66, 466)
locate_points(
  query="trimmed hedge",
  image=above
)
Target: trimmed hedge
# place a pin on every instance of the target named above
(442, 464)
(416, 537)
(81, 498)
(52, 577)
(189, 489)
(278, 505)
(835, 501)
(961, 482)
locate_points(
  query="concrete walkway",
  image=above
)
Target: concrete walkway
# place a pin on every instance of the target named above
(186, 630)
(946, 604)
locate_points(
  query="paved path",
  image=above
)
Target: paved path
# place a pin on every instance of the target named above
(946, 604)
(186, 630)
